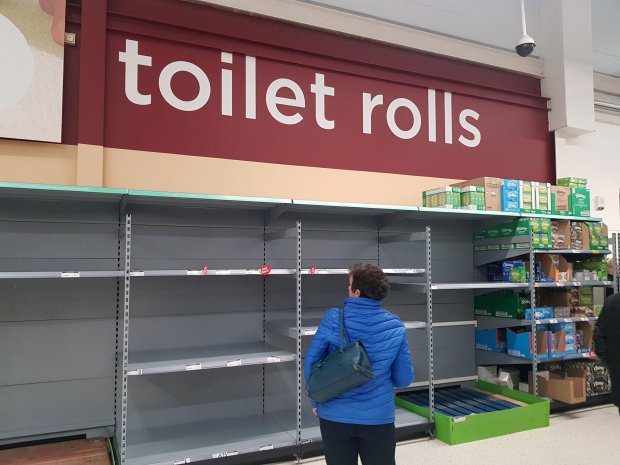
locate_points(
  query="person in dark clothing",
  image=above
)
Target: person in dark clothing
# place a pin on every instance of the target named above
(607, 343)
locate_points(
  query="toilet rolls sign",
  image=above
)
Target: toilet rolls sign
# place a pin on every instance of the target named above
(225, 103)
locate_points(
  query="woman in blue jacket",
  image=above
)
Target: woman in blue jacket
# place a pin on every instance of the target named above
(361, 421)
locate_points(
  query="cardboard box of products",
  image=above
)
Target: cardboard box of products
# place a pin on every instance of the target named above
(493, 340)
(580, 201)
(556, 267)
(542, 197)
(504, 304)
(560, 200)
(492, 191)
(519, 343)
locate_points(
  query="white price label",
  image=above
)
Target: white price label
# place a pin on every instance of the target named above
(221, 455)
(309, 332)
(538, 322)
(222, 272)
(459, 419)
(321, 272)
(583, 318)
(194, 273)
(553, 321)
(136, 273)
(193, 366)
(267, 447)
(234, 363)
(577, 283)
(273, 359)
(134, 372)
(70, 274)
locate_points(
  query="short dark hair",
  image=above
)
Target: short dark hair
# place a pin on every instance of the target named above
(370, 280)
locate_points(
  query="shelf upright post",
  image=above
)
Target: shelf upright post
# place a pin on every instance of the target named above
(298, 338)
(125, 342)
(532, 288)
(429, 327)
(616, 261)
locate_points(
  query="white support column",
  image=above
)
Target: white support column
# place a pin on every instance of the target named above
(566, 48)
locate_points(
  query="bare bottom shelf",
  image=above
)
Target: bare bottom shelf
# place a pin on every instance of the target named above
(312, 432)
(201, 441)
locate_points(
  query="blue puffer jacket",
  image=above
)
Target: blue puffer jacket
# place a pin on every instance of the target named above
(385, 340)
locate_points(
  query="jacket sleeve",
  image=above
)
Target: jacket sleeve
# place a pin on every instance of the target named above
(600, 336)
(402, 367)
(318, 347)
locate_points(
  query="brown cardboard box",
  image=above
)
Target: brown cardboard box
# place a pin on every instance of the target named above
(570, 389)
(551, 271)
(563, 229)
(560, 198)
(492, 191)
(563, 297)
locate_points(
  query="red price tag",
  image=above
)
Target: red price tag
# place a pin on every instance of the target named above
(205, 270)
(265, 270)
(313, 269)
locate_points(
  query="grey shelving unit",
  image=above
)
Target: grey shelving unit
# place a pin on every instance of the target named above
(154, 315)
(526, 248)
(60, 275)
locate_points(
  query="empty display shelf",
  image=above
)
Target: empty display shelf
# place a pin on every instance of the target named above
(204, 358)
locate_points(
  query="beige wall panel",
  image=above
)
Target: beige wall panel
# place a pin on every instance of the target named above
(177, 173)
(37, 162)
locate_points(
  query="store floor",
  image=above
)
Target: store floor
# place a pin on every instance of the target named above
(583, 437)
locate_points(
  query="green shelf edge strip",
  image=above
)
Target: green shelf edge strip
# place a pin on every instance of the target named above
(182, 195)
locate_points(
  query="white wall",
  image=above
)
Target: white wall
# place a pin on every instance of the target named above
(596, 157)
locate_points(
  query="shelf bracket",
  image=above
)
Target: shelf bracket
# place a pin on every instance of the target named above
(391, 219)
(274, 213)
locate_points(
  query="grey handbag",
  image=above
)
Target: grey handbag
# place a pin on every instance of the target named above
(340, 371)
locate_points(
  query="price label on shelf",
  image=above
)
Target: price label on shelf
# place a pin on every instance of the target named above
(273, 359)
(583, 318)
(308, 332)
(70, 274)
(222, 272)
(538, 322)
(193, 366)
(267, 447)
(134, 372)
(577, 283)
(182, 461)
(136, 273)
(234, 363)
(221, 455)
(553, 321)
(194, 273)
(265, 270)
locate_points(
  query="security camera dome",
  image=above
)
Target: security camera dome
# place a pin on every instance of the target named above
(525, 46)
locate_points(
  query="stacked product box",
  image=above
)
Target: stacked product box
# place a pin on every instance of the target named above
(542, 197)
(560, 200)
(526, 197)
(492, 191)
(504, 304)
(472, 198)
(511, 195)
(579, 195)
(597, 374)
(572, 182)
(540, 227)
(564, 340)
(442, 197)
(519, 342)
(492, 340)
(598, 236)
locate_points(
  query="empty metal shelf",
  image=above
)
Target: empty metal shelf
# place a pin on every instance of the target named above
(204, 358)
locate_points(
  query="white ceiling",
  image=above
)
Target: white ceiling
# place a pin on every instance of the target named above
(496, 23)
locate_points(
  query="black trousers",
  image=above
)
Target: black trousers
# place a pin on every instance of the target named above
(343, 442)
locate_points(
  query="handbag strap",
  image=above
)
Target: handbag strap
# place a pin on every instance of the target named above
(343, 331)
